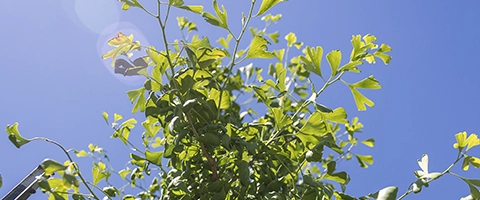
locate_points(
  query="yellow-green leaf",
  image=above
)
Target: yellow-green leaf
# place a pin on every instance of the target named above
(258, 48)
(334, 58)
(369, 142)
(14, 136)
(291, 39)
(461, 140)
(50, 166)
(360, 99)
(266, 5)
(312, 130)
(215, 96)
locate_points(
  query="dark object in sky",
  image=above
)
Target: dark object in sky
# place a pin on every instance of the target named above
(27, 186)
(126, 68)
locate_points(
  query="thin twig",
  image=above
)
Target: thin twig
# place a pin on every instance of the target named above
(210, 160)
(71, 160)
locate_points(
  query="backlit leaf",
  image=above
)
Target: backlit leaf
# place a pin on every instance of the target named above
(334, 58)
(137, 97)
(105, 117)
(50, 166)
(361, 100)
(266, 5)
(312, 130)
(367, 83)
(258, 48)
(461, 140)
(313, 59)
(291, 39)
(154, 157)
(364, 160)
(369, 142)
(14, 136)
(215, 96)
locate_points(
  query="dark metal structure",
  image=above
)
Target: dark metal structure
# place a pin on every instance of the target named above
(27, 186)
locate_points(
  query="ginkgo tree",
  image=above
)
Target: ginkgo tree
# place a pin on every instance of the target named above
(200, 142)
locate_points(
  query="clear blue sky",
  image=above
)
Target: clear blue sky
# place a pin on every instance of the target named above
(55, 84)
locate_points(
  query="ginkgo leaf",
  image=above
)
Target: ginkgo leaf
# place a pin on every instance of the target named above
(180, 4)
(266, 5)
(123, 44)
(291, 39)
(423, 163)
(461, 140)
(50, 166)
(364, 161)
(258, 48)
(313, 59)
(369, 142)
(367, 83)
(352, 66)
(15, 137)
(472, 141)
(312, 130)
(361, 100)
(222, 14)
(334, 59)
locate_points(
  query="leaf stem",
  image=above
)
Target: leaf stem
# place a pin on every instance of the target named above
(235, 49)
(211, 162)
(71, 160)
(459, 157)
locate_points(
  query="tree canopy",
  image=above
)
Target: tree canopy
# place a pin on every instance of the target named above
(205, 135)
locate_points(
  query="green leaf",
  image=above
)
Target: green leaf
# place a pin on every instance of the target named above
(340, 177)
(243, 172)
(222, 14)
(338, 115)
(50, 166)
(360, 100)
(313, 59)
(97, 174)
(215, 96)
(124, 172)
(154, 157)
(266, 5)
(291, 39)
(1, 181)
(123, 44)
(334, 59)
(225, 41)
(474, 192)
(381, 53)
(137, 97)
(274, 37)
(369, 142)
(105, 117)
(117, 117)
(180, 4)
(81, 153)
(364, 160)
(312, 130)
(212, 19)
(14, 136)
(472, 141)
(351, 66)
(474, 161)
(220, 20)
(258, 48)
(367, 83)
(110, 191)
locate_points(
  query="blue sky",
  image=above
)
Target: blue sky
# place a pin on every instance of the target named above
(56, 85)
